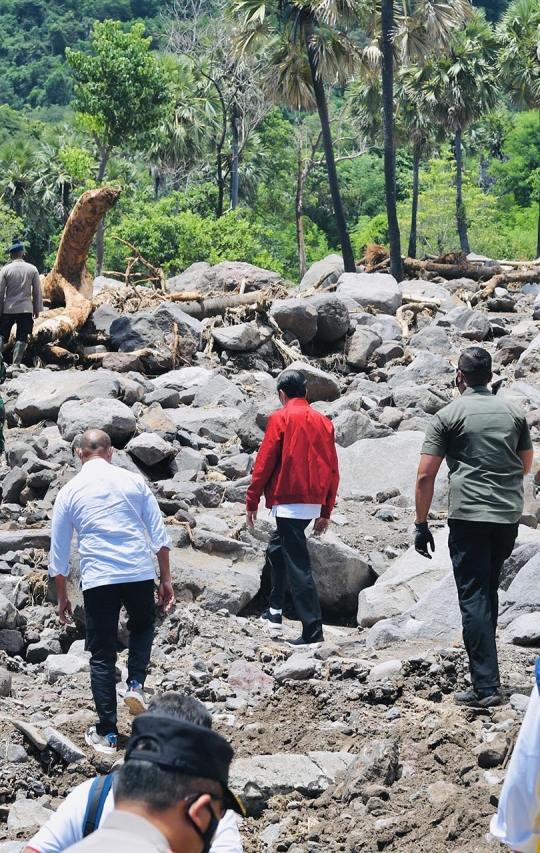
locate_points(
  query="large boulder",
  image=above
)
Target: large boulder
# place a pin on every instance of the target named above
(217, 423)
(136, 331)
(320, 385)
(340, 572)
(215, 581)
(404, 582)
(112, 416)
(169, 315)
(419, 397)
(186, 380)
(523, 594)
(322, 273)
(378, 290)
(361, 347)
(351, 426)
(529, 361)
(189, 280)
(473, 325)
(229, 275)
(150, 449)
(369, 466)
(296, 316)
(425, 289)
(42, 392)
(243, 337)
(219, 391)
(332, 317)
(425, 367)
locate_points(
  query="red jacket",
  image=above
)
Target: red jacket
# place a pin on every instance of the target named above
(297, 462)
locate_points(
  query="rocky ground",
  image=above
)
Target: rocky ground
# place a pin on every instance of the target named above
(358, 745)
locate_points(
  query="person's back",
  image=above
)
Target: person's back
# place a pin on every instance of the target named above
(19, 278)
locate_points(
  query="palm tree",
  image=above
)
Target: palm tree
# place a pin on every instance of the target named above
(306, 45)
(16, 174)
(404, 32)
(458, 90)
(519, 59)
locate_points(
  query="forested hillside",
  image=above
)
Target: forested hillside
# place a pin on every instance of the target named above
(237, 131)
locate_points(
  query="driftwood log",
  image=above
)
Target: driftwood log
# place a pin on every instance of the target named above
(213, 306)
(68, 287)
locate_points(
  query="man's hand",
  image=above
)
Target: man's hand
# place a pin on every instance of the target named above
(321, 526)
(65, 613)
(250, 518)
(423, 538)
(165, 597)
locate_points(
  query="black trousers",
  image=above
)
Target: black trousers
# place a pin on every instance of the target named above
(288, 556)
(478, 550)
(102, 605)
(25, 324)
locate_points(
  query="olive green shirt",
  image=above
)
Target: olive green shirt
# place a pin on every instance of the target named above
(480, 436)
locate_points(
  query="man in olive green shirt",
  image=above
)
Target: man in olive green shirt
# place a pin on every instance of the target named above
(488, 450)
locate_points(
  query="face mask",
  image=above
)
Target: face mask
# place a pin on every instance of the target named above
(208, 835)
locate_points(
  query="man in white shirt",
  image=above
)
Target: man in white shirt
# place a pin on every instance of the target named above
(112, 511)
(67, 825)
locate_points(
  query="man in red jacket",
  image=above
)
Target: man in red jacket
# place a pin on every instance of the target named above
(297, 469)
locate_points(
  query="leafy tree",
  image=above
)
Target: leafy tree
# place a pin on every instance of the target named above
(305, 45)
(121, 93)
(458, 90)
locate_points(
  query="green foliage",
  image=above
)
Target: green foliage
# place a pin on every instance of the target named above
(121, 91)
(367, 231)
(11, 227)
(517, 174)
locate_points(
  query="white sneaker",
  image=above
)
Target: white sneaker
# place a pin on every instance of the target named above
(105, 744)
(135, 699)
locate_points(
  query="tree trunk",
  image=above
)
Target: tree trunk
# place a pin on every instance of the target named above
(69, 284)
(461, 217)
(322, 108)
(414, 213)
(100, 231)
(219, 304)
(234, 162)
(298, 210)
(387, 26)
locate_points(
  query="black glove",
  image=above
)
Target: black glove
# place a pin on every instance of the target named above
(423, 538)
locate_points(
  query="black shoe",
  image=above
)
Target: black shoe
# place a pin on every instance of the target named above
(273, 621)
(479, 698)
(300, 643)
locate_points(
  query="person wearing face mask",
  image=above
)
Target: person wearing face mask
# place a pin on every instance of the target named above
(112, 510)
(171, 792)
(297, 469)
(488, 450)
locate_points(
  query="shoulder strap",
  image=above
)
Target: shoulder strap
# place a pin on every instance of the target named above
(96, 800)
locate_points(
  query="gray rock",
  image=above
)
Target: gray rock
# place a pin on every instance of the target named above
(217, 423)
(11, 641)
(421, 397)
(19, 540)
(236, 466)
(250, 678)
(13, 484)
(523, 594)
(26, 814)
(405, 581)
(219, 391)
(332, 317)
(260, 777)
(322, 273)
(5, 682)
(339, 571)
(320, 385)
(213, 581)
(103, 316)
(350, 427)
(296, 668)
(523, 631)
(122, 362)
(190, 460)
(376, 762)
(42, 392)
(186, 381)
(425, 289)
(112, 416)
(63, 745)
(473, 325)
(378, 392)
(430, 338)
(40, 651)
(244, 337)
(149, 449)
(297, 316)
(361, 347)
(228, 275)
(380, 291)
(387, 327)
(529, 361)
(58, 666)
(168, 398)
(16, 755)
(188, 280)
(425, 366)
(388, 352)
(388, 672)
(168, 315)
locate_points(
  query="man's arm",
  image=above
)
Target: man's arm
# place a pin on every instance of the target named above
(425, 483)
(267, 459)
(2, 290)
(526, 457)
(165, 590)
(61, 533)
(160, 542)
(37, 296)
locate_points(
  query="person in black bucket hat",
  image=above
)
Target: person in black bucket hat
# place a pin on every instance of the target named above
(171, 792)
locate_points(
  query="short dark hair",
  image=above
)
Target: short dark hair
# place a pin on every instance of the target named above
(475, 363)
(292, 383)
(183, 707)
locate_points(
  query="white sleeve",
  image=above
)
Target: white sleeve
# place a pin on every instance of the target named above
(227, 837)
(153, 520)
(65, 826)
(516, 822)
(61, 533)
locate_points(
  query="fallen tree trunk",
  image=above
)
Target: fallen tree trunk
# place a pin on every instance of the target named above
(218, 305)
(467, 270)
(502, 280)
(68, 287)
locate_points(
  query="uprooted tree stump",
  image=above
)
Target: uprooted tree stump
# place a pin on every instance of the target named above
(68, 287)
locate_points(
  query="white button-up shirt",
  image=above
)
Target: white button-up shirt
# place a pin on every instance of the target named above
(113, 512)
